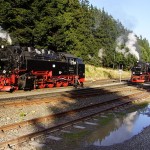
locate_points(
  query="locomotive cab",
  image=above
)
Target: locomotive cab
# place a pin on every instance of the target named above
(75, 67)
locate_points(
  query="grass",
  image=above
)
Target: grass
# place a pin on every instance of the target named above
(137, 106)
(99, 73)
(22, 114)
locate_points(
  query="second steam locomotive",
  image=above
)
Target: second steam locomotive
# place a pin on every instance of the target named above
(140, 72)
(27, 68)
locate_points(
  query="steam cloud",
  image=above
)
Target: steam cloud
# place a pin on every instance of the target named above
(100, 53)
(5, 35)
(129, 43)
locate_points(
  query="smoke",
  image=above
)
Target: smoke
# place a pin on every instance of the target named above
(5, 35)
(128, 45)
(100, 53)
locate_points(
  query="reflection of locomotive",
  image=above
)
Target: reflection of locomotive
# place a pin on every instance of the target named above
(140, 72)
(27, 68)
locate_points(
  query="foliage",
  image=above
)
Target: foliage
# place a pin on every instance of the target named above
(3, 42)
(145, 49)
(68, 26)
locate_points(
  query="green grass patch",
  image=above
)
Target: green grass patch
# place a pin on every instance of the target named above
(137, 106)
(141, 105)
(23, 114)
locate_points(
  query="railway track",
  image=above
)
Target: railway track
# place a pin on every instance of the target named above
(84, 112)
(54, 91)
(12, 110)
(65, 96)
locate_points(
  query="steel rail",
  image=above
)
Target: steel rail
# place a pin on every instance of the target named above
(69, 97)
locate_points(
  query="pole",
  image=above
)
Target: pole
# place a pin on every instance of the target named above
(120, 76)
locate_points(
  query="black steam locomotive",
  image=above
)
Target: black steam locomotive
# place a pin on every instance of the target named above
(27, 68)
(140, 72)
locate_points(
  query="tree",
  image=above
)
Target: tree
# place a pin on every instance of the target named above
(68, 26)
(16, 17)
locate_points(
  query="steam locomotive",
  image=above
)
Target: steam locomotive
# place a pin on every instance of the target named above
(28, 68)
(140, 73)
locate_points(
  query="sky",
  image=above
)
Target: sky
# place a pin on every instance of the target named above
(133, 14)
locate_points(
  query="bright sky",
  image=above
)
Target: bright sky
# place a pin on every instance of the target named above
(133, 14)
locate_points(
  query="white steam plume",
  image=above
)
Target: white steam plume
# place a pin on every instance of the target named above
(100, 53)
(5, 35)
(129, 45)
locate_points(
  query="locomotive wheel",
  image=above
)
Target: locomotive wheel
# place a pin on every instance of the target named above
(58, 84)
(51, 85)
(41, 86)
(64, 84)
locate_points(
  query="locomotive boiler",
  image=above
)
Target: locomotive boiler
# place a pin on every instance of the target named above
(27, 68)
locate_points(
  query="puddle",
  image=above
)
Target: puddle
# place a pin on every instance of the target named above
(111, 130)
(120, 129)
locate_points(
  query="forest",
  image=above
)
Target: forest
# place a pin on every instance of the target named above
(72, 26)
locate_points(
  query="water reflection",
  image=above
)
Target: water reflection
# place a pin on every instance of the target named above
(121, 129)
